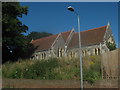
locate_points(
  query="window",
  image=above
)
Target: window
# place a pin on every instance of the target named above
(43, 56)
(98, 51)
(84, 52)
(60, 52)
(95, 51)
(71, 54)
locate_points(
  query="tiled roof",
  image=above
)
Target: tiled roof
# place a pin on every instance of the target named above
(88, 37)
(46, 42)
(65, 35)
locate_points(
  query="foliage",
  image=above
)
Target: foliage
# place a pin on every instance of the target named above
(111, 46)
(53, 68)
(36, 35)
(92, 74)
(29, 69)
(40, 68)
(14, 43)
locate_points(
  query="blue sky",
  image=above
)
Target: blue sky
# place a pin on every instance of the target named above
(53, 17)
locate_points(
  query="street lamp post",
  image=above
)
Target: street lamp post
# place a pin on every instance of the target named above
(80, 49)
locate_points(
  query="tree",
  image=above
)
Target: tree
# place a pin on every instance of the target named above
(111, 46)
(36, 35)
(14, 43)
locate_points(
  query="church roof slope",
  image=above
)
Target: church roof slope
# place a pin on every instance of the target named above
(88, 37)
(45, 43)
(65, 35)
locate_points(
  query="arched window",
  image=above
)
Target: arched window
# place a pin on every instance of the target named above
(98, 51)
(82, 52)
(71, 54)
(44, 55)
(62, 52)
(85, 53)
(58, 53)
(95, 51)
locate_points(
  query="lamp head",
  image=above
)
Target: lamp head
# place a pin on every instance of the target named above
(71, 9)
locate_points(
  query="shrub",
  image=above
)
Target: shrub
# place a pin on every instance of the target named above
(92, 74)
(40, 68)
(111, 46)
(11, 70)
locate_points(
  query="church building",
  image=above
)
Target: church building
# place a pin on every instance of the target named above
(66, 44)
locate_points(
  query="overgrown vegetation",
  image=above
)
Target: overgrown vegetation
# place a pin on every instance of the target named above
(92, 71)
(53, 69)
(111, 46)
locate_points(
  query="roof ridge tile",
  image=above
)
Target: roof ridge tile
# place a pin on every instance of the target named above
(93, 29)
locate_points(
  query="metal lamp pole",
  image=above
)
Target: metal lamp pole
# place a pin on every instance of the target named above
(80, 49)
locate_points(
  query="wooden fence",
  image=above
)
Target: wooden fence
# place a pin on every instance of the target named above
(110, 64)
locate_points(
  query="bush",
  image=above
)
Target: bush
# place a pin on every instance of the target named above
(111, 46)
(12, 70)
(40, 69)
(92, 74)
